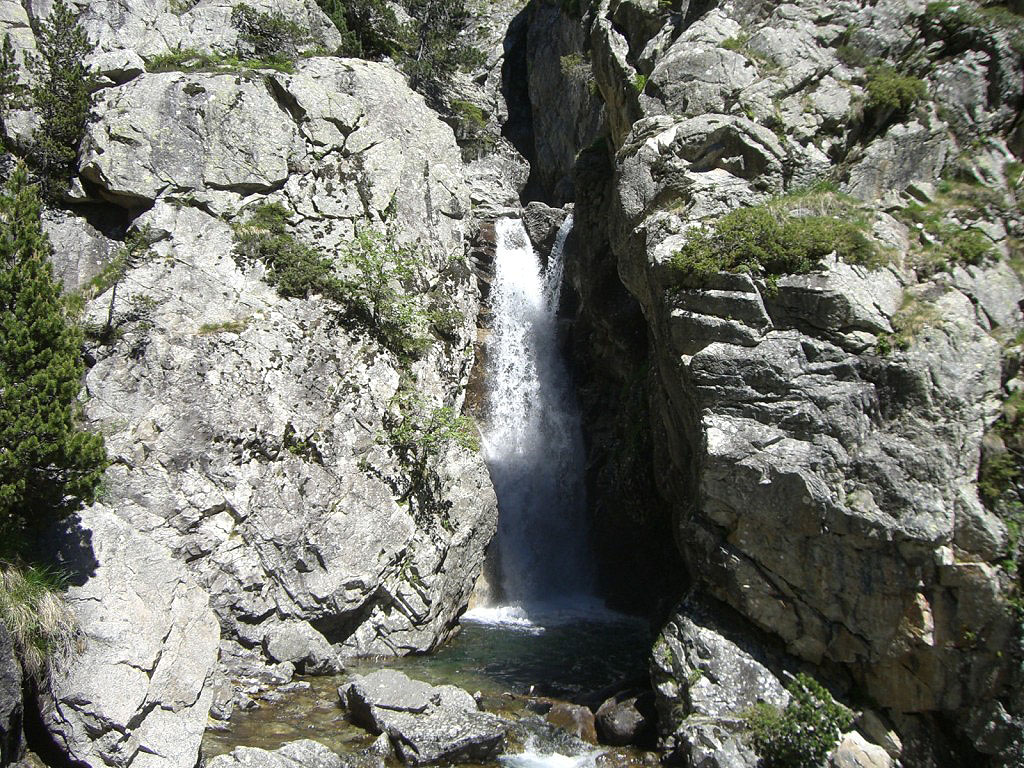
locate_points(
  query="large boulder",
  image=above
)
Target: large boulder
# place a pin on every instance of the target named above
(706, 673)
(252, 431)
(427, 724)
(138, 693)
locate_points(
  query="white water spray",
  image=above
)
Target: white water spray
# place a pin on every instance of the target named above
(532, 438)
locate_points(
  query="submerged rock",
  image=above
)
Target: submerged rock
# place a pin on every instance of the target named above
(427, 724)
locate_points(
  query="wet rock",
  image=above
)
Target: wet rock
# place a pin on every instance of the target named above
(138, 694)
(427, 724)
(574, 719)
(626, 718)
(11, 713)
(542, 223)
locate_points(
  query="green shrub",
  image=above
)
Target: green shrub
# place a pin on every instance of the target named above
(639, 83)
(270, 35)
(297, 270)
(737, 43)
(41, 624)
(913, 316)
(376, 283)
(434, 52)
(192, 60)
(60, 97)
(49, 466)
(382, 274)
(418, 434)
(471, 128)
(943, 240)
(852, 56)
(369, 28)
(801, 735)
(890, 91)
(771, 240)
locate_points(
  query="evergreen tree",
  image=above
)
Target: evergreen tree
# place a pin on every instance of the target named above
(48, 465)
(369, 28)
(60, 96)
(434, 54)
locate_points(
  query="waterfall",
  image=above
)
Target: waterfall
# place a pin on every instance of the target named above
(532, 442)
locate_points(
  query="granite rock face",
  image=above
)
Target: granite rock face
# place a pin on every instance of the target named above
(283, 494)
(819, 483)
(251, 434)
(11, 709)
(138, 692)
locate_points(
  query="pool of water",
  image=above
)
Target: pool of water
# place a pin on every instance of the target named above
(509, 663)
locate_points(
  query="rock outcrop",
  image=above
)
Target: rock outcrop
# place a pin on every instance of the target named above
(11, 708)
(138, 691)
(251, 435)
(427, 724)
(820, 480)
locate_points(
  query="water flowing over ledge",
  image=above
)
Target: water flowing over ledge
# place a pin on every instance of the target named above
(533, 443)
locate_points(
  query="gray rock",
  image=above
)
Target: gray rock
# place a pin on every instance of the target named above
(139, 693)
(296, 754)
(188, 132)
(298, 643)
(854, 751)
(625, 719)
(542, 223)
(11, 709)
(427, 724)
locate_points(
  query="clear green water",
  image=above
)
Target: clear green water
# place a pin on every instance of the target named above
(575, 661)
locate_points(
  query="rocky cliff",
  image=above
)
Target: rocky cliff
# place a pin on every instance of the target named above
(814, 439)
(798, 451)
(255, 465)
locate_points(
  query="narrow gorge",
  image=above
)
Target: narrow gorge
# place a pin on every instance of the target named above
(643, 390)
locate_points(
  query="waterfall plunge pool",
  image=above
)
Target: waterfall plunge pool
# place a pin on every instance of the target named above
(562, 656)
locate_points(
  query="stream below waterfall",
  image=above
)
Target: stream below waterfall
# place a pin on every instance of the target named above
(540, 632)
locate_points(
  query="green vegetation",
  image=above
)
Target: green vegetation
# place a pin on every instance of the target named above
(434, 53)
(790, 234)
(418, 434)
(60, 96)
(382, 270)
(913, 316)
(958, 24)
(852, 56)
(297, 270)
(131, 254)
(226, 326)
(639, 83)
(369, 28)
(12, 93)
(801, 735)
(49, 466)
(737, 43)
(40, 623)
(191, 60)
(946, 236)
(271, 36)
(471, 129)
(427, 47)
(372, 280)
(892, 92)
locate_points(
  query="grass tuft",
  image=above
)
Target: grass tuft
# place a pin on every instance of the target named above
(35, 613)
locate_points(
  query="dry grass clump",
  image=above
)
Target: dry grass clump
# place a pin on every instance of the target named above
(33, 608)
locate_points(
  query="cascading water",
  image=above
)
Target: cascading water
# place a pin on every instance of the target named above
(533, 443)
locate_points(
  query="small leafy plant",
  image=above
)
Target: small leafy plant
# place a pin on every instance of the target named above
(892, 92)
(802, 734)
